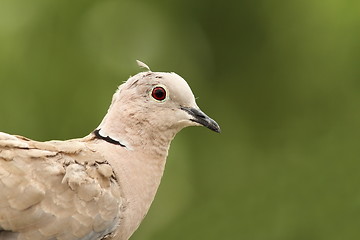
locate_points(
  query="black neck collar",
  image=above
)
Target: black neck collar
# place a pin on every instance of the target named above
(107, 138)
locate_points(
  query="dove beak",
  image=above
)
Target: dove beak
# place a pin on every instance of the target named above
(200, 117)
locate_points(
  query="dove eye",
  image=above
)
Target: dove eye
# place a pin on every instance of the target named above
(158, 93)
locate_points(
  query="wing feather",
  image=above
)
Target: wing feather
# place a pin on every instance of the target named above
(56, 190)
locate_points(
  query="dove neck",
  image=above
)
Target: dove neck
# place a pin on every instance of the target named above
(137, 134)
(139, 166)
(136, 139)
(139, 174)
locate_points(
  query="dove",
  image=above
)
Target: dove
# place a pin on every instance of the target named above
(100, 186)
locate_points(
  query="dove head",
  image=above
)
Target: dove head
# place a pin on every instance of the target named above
(152, 106)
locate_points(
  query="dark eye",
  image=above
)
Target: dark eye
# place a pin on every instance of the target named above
(158, 93)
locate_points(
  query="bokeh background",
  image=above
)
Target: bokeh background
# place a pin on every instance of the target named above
(282, 78)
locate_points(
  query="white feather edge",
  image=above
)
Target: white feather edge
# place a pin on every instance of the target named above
(143, 65)
(105, 134)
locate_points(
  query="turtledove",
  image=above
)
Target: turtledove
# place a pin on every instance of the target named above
(100, 186)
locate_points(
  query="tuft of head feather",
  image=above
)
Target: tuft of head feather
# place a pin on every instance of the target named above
(143, 65)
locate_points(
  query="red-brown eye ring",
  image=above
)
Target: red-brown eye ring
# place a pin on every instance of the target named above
(158, 93)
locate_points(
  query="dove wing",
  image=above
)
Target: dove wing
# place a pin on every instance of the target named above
(56, 190)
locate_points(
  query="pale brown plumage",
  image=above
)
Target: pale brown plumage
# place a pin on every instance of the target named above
(56, 188)
(100, 186)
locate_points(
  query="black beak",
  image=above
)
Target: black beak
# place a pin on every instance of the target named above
(202, 118)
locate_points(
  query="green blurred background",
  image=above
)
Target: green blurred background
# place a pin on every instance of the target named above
(280, 77)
